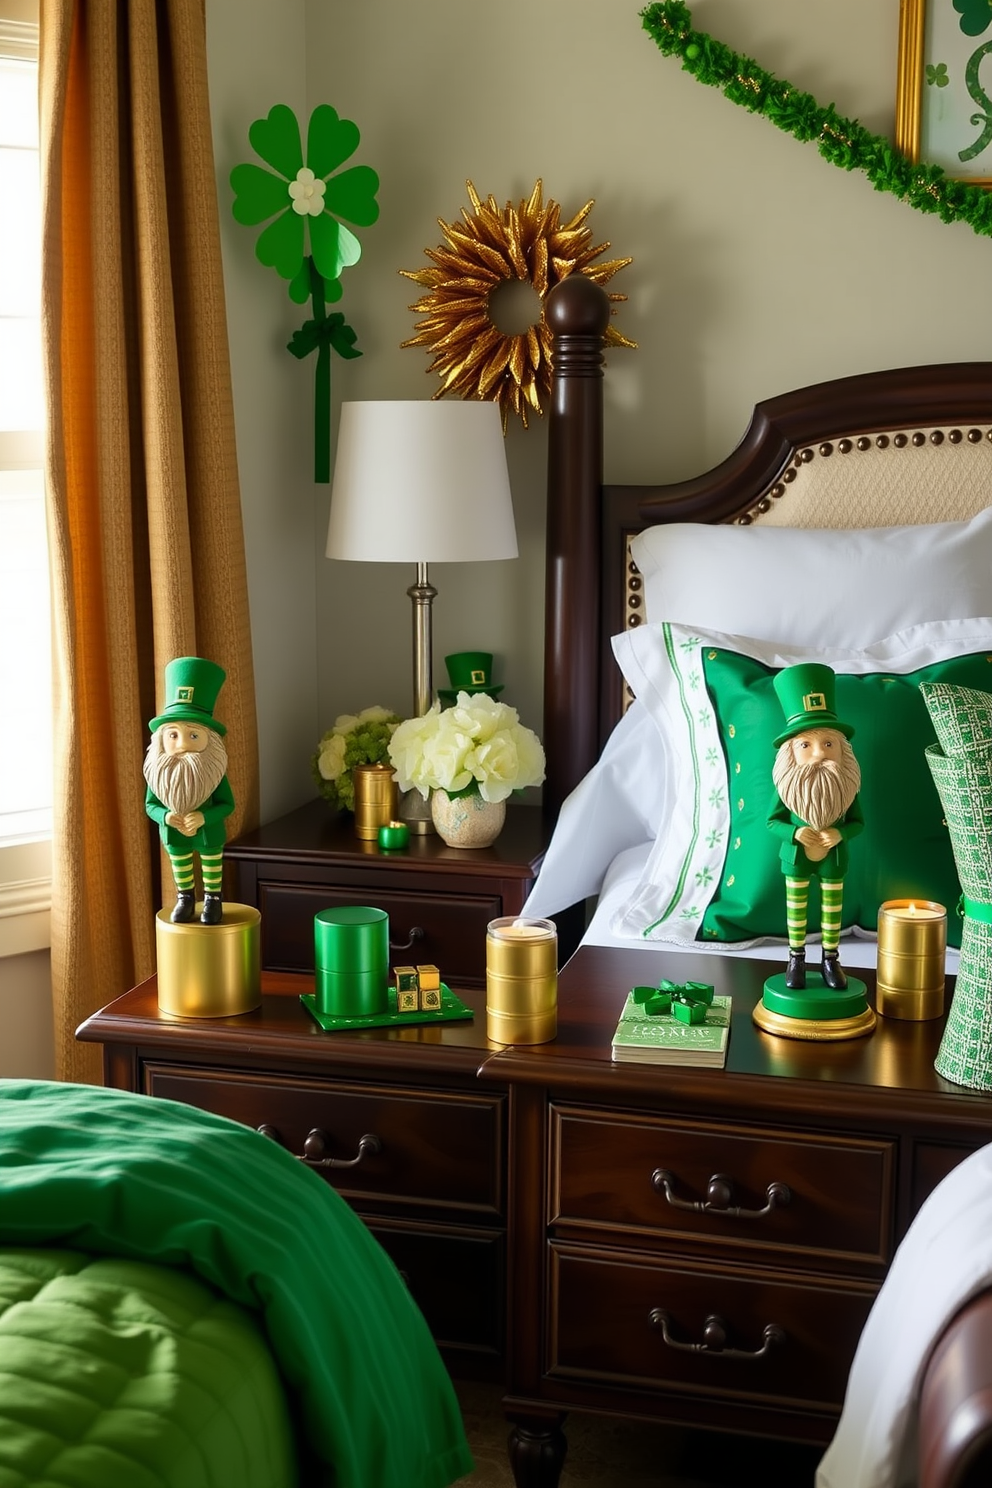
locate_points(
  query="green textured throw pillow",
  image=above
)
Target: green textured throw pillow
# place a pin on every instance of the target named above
(714, 872)
(905, 850)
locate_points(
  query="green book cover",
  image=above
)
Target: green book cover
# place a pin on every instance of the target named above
(664, 1040)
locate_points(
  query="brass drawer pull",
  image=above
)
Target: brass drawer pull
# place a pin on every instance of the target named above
(416, 933)
(315, 1147)
(715, 1337)
(719, 1192)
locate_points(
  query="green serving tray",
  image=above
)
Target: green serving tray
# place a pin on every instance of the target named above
(451, 1010)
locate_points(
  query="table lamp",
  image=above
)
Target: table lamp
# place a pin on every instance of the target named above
(421, 482)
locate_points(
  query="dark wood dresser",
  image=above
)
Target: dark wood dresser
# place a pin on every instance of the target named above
(690, 1245)
(439, 899)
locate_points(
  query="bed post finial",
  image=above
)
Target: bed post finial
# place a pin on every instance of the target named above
(577, 311)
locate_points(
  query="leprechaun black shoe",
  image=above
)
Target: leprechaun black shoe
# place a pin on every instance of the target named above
(832, 972)
(795, 972)
(213, 910)
(185, 908)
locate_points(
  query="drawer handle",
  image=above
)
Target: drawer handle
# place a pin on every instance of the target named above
(315, 1147)
(715, 1337)
(719, 1192)
(416, 933)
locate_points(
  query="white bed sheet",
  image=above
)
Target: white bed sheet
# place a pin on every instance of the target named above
(621, 879)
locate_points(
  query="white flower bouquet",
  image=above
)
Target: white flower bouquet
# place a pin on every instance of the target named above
(479, 746)
(356, 739)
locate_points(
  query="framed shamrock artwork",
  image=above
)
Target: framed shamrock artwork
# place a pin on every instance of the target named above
(944, 88)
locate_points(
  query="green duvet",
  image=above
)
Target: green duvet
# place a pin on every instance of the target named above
(129, 1375)
(108, 1174)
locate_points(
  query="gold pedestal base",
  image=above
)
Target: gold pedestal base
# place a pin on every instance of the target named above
(209, 971)
(824, 1029)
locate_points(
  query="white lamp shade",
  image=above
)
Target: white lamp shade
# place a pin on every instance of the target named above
(421, 482)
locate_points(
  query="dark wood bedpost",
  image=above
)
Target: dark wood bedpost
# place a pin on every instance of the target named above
(578, 312)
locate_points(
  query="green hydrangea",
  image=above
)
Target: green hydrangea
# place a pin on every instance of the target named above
(356, 739)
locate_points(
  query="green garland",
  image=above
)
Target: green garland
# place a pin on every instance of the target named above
(844, 142)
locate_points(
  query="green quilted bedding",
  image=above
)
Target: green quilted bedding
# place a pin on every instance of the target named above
(120, 1374)
(112, 1174)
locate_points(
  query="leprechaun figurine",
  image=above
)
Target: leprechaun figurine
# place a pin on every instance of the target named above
(815, 812)
(188, 792)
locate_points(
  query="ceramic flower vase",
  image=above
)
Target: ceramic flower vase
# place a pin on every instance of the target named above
(961, 765)
(467, 821)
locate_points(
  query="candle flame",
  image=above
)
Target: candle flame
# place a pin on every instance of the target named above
(912, 907)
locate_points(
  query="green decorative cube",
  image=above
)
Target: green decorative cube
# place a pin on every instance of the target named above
(658, 1004)
(406, 981)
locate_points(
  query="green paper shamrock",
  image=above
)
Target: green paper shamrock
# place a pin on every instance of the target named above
(937, 75)
(306, 202)
(976, 16)
(305, 196)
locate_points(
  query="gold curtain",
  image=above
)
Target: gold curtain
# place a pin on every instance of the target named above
(145, 534)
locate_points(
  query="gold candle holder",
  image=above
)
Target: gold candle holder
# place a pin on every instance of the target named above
(521, 980)
(375, 799)
(912, 946)
(210, 971)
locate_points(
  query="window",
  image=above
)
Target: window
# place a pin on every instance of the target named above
(25, 639)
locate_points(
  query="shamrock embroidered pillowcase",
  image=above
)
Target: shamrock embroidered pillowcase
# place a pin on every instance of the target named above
(713, 873)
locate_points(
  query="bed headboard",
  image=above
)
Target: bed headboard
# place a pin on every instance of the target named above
(913, 444)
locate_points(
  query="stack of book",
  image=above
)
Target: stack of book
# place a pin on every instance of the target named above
(665, 1039)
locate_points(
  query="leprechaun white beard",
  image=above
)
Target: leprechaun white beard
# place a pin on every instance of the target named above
(820, 793)
(184, 781)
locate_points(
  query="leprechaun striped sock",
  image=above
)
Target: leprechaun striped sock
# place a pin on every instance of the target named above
(796, 899)
(182, 871)
(212, 865)
(831, 897)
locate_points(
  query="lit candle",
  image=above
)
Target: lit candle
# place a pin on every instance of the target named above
(521, 980)
(912, 946)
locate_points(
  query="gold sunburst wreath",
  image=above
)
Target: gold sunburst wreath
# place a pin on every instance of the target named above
(491, 247)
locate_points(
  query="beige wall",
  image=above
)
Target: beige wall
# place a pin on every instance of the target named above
(757, 267)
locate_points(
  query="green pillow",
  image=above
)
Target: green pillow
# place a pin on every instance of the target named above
(904, 851)
(714, 872)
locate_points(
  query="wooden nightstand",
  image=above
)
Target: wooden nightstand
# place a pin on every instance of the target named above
(312, 860)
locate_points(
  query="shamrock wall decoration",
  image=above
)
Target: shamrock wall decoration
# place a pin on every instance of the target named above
(306, 206)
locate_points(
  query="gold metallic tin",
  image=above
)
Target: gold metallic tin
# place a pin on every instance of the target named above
(521, 981)
(209, 971)
(375, 799)
(912, 945)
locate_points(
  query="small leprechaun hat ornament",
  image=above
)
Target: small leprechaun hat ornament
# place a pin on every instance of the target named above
(307, 204)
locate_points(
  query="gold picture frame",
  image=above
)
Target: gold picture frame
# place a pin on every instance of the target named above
(943, 112)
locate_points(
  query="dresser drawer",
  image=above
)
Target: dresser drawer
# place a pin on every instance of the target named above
(438, 1150)
(457, 1279)
(604, 1327)
(453, 925)
(642, 1175)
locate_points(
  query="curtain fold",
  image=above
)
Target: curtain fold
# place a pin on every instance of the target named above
(144, 514)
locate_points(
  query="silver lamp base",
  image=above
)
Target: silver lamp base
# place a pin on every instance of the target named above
(416, 812)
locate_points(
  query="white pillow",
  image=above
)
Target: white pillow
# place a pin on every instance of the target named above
(712, 701)
(618, 804)
(816, 586)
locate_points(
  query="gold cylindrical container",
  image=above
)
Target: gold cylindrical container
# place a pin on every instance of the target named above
(210, 971)
(912, 947)
(521, 980)
(375, 799)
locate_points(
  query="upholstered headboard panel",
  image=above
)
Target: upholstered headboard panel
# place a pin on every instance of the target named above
(883, 480)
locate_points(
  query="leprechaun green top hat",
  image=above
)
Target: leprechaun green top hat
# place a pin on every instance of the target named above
(471, 672)
(807, 694)
(191, 688)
